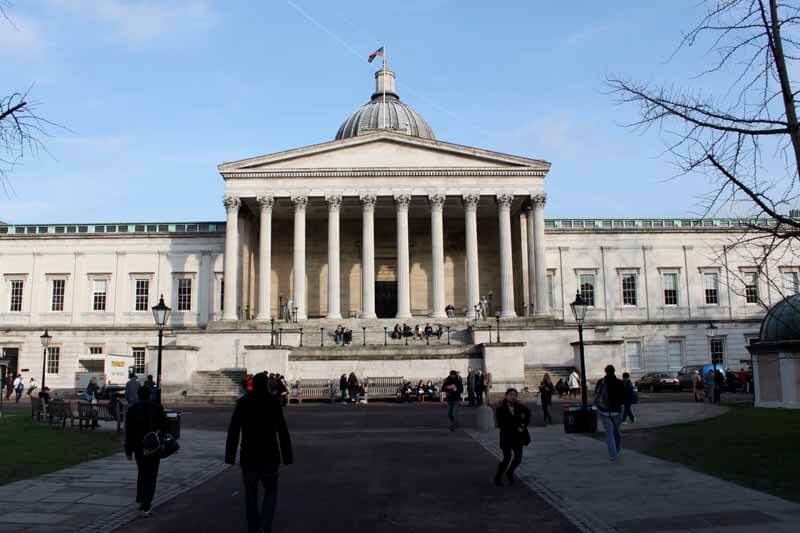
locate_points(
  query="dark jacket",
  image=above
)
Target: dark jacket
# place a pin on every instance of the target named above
(616, 393)
(264, 435)
(510, 424)
(630, 391)
(453, 395)
(546, 390)
(141, 419)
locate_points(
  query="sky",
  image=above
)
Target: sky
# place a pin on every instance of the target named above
(154, 94)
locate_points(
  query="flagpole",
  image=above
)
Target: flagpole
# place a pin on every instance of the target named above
(384, 86)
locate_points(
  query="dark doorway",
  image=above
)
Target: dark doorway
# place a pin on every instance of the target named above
(386, 299)
(11, 357)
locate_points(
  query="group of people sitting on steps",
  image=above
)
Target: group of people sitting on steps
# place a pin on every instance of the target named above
(417, 333)
(343, 336)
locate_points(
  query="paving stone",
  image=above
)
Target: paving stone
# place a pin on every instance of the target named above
(15, 517)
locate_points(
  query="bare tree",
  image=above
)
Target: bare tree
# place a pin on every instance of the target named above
(745, 139)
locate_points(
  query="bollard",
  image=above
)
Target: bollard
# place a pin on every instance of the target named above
(485, 418)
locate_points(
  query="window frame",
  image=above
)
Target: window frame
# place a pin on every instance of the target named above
(631, 341)
(670, 341)
(91, 349)
(53, 280)
(53, 360)
(135, 278)
(795, 273)
(10, 281)
(579, 273)
(135, 353)
(551, 287)
(724, 340)
(93, 280)
(664, 272)
(748, 299)
(180, 299)
(625, 273)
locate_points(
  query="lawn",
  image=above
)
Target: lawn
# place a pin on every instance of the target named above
(29, 449)
(757, 448)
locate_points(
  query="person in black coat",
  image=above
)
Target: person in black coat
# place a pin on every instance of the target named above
(609, 399)
(143, 417)
(453, 387)
(512, 420)
(265, 443)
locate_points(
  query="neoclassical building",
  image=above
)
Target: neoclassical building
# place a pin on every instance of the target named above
(383, 225)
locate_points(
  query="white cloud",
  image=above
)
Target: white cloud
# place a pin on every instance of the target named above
(141, 20)
(22, 39)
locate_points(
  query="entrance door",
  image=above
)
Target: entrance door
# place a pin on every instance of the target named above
(386, 299)
(11, 356)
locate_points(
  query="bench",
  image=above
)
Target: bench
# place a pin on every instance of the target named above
(89, 414)
(384, 388)
(312, 389)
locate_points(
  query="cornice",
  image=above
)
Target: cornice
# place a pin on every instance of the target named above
(383, 173)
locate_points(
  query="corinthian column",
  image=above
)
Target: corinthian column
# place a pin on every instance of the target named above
(531, 259)
(402, 202)
(299, 256)
(471, 202)
(265, 204)
(436, 202)
(231, 260)
(368, 256)
(542, 302)
(334, 307)
(506, 262)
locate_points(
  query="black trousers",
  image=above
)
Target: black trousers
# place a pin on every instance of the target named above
(267, 476)
(146, 481)
(546, 412)
(504, 465)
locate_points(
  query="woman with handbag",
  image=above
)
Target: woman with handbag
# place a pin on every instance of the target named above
(143, 420)
(512, 420)
(546, 390)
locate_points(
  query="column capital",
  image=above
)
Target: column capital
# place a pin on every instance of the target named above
(471, 201)
(504, 200)
(538, 200)
(265, 202)
(231, 202)
(402, 201)
(299, 202)
(334, 202)
(368, 201)
(436, 201)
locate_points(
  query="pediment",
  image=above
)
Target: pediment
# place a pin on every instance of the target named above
(383, 150)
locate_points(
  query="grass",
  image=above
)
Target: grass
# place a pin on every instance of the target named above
(29, 449)
(756, 448)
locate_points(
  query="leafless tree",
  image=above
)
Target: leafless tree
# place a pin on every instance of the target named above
(744, 139)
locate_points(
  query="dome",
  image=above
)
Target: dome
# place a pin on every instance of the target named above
(385, 111)
(782, 322)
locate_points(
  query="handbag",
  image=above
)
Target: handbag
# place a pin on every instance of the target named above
(601, 398)
(159, 444)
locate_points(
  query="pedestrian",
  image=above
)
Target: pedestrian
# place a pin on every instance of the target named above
(265, 444)
(479, 386)
(512, 420)
(18, 388)
(453, 387)
(470, 387)
(343, 387)
(352, 387)
(608, 402)
(574, 383)
(32, 386)
(697, 386)
(718, 383)
(487, 385)
(132, 389)
(546, 390)
(9, 386)
(144, 417)
(629, 398)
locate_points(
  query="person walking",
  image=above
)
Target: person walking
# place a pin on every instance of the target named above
(144, 417)
(512, 420)
(343, 387)
(546, 389)
(608, 402)
(18, 388)
(697, 386)
(470, 387)
(265, 444)
(32, 386)
(352, 387)
(132, 389)
(629, 398)
(453, 388)
(479, 386)
(574, 383)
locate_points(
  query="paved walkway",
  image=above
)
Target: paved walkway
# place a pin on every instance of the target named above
(98, 496)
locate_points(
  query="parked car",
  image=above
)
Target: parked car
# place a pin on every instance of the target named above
(686, 374)
(658, 381)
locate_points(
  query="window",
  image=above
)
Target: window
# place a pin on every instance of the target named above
(711, 287)
(53, 357)
(670, 280)
(17, 286)
(717, 348)
(99, 292)
(138, 360)
(751, 287)
(551, 284)
(57, 292)
(675, 353)
(791, 282)
(184, 294)
(587, 288)
(142, 294)
(95, 350)
(633, 352)
(629, 289)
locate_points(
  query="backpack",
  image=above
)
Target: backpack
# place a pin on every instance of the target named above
(601, 397)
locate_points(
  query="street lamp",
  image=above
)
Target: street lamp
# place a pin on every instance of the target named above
(711, 332)
(497, 317)
(579, 308)
(272, 331)
(160, 315)
(294, 314)
(46, 338)
(385, 335)
(301, 337)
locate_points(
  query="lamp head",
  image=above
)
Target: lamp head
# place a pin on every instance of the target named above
(46, 338)
(161, 313)
(579, 308)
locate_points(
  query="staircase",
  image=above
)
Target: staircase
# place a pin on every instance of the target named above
(222, 384)
(534, 375)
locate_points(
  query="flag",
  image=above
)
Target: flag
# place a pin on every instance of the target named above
(376, 53)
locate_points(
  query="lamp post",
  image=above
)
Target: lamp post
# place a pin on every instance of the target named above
(579, 308)
(321, 337)
(385, 335)
(497, 317)
(280, 336)
(490, 333)
(294, 315)
(364, 333)
(301, 337)
(448, 334)
(160, 315)
(46, 338)
(272, 330)
(711, 332)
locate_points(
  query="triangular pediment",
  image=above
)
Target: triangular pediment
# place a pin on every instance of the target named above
(383, 150)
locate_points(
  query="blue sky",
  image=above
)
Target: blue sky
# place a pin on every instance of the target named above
(156, 93)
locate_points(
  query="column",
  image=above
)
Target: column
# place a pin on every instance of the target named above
(299, 257)
(540, 266)
(265, 204)
(532, 292)
(334, 307)
(506, 262)
(471, 202)
(231, 260)
(368, 256)
(402, 202)
(436, 202)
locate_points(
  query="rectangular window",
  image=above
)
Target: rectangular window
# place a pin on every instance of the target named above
(99, 292)
(675, 353)
(17, 286)
(53, 359)
(587, 289)
(138, 360)
(185, 294)
(717, 348)
(751, 287)
(95, 350)
(791, 283)
(551, 285)
(57, 292)
(633, 352)
(711, 287)
(629, 289)
(670, 280)
(142, 296)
